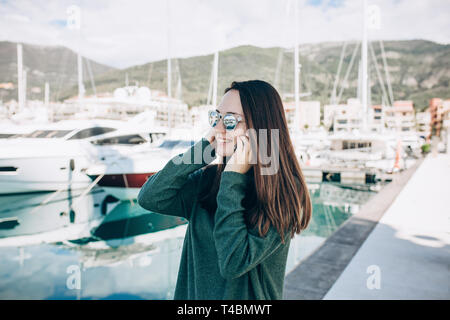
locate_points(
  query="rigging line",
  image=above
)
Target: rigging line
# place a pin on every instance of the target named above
(336, 81)
(83, 194)
(348, 72)
(61, 74)
(46, 200)
(386, 70)
(380, 79)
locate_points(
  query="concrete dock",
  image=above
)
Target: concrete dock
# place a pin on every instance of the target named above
(396, 247)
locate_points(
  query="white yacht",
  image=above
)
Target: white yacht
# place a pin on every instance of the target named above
(124, 175)
(56, 156)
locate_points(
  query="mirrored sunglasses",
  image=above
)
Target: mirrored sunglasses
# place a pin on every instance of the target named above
(230, 121)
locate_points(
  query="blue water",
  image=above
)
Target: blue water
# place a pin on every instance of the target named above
(69, 246)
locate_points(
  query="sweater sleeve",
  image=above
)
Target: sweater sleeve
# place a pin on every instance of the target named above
(238, 250)
(173, 189)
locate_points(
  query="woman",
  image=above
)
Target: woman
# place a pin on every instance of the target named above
(241, 220)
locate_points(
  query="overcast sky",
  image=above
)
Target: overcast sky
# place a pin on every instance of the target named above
(122, 33)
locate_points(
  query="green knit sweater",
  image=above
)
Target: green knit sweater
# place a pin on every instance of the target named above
(221, 257)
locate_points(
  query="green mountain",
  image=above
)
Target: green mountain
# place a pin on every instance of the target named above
(419, 70)
(55, 64)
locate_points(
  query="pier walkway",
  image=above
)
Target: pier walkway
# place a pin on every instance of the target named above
(396, 247)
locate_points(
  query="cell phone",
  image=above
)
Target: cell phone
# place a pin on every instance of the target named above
(235, 147)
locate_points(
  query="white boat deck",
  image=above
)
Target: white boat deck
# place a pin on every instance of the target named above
(408, 251)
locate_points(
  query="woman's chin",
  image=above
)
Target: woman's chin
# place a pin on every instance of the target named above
(225, 150)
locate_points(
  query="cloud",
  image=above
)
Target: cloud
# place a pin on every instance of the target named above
(17, 18)
(124, 33)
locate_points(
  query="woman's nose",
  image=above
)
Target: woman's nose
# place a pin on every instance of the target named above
(222, 132)
(220, 126)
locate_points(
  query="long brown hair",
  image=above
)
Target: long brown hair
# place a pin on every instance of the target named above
(280, 199)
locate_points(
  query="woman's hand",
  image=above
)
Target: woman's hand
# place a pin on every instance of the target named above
(211, 135)
(241, 159)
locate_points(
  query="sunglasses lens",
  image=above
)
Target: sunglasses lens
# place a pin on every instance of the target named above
(230, 122)
(213, 118)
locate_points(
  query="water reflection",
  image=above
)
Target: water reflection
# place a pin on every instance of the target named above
(118, 250)
(332, 205)
(46, 216)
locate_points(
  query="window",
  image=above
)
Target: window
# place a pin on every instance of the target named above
(131, 139)
(59, 133)
(169, 144)
(155, 136)
(91, 132)
(8, 169)
(355, 145)
(44, 134)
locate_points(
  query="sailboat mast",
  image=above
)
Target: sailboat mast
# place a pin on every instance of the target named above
(215, 78)
(24, 87)
(364, 67)
(169, 77)
(169, 71)
(74, 23)
(296, 69)
(80, 59)
(46, 94)
(80, 76)
(169, 62)
(20, 95)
